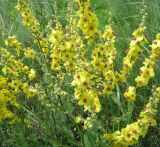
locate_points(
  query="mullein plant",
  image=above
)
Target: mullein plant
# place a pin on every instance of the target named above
(62, 54)
(132, 132)
(30, 21)
(147, 71)
(15, 78)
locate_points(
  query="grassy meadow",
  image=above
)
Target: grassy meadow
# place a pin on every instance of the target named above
(48, 119)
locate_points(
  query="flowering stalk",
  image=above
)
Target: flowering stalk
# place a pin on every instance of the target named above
(30, 21)
(147, 71)
(88, 21)
(132, 132)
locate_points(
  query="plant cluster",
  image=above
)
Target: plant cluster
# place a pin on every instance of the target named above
(75, 64)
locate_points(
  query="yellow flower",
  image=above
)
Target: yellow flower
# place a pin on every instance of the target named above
(15, 84)
(25, 69)
(98, 63)
(88, 123)
(30, 92)
(13, 42)
(24, 87)
(147, 72)
(155, 44)
(130, 94)
(29, 53)
(96, 106)
(82, 80)
(32, 74)
(67, 56)
(141, 81)
(56, 36)
(86, 99)
(6, 70)
(78, 119)
(108, 33)
(55, 65)
(88, 21)
(3, 82)
(139, 36)
(110, 76)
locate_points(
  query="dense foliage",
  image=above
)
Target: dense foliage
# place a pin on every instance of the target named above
(64, 85)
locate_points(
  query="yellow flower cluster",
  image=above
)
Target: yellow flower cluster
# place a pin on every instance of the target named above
(92, 77)
(88, 122)
(29, 53)
(109, 39)
(155, 48)
(68, 54)
(108, 85)
(130, 94)
(103, 58)
(63, 51)
(72, 33)
(56, 35)
(84, 93)
(147, 71)
(9, 90)
(88, 79)
(132, 132)
(134, 51)
(88, 21)
(104, 54)
(14, 44)
(16, 71)
(99, 57)
(30, 21)
(99, 68)
(7, 98)
(55, 38)
(13, 80)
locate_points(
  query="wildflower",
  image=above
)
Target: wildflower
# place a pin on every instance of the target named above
(146, 72)
(32, 74)
(141, 81)
(88, 22)
(30, 21)
(132, 132)
(130, 94)
(29, 53)
(15, 84)
(78, 119)
(133, 53)
(88, 123)
(13, 42)
(25, 69)
(56, 36)
(86, 99)
(32, 92)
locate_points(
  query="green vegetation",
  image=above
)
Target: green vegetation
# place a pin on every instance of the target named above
(55, 125)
